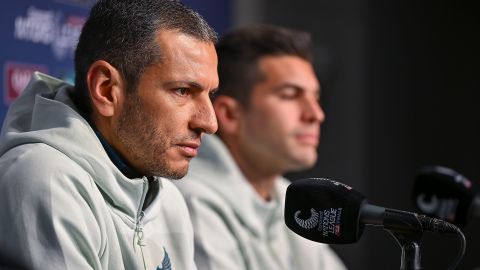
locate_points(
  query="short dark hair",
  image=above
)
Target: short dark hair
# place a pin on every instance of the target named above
(240, 50)
(122, 32)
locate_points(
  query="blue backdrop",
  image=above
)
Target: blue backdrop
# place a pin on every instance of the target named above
(42, 35)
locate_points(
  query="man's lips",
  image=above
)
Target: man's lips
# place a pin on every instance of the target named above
(308, 138)
(189, 149)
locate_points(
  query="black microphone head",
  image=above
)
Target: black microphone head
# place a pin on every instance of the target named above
(324, 211)
(443, 193)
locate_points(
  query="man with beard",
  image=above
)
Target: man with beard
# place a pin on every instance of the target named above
(269, 123)
(82, 167)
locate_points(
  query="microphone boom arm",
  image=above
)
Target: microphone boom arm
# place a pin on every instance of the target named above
(407, 229)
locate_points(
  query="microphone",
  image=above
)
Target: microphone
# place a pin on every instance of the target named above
(444, 193)
(327, 211)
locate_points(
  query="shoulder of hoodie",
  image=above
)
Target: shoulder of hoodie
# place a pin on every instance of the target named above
(192, 186)
(38, 170)
(194, 189)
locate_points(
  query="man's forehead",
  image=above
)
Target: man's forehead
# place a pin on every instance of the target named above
(164, 38)
(290, 70)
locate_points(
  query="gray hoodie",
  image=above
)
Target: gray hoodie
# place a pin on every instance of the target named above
(234, 228)
(65, 205)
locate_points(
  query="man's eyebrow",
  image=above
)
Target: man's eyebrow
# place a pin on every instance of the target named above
(288, 85)
(297, 87)
(190, 84)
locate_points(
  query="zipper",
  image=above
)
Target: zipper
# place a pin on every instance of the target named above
(139, 226)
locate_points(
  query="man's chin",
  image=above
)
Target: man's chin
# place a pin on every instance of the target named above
(172, 169)
(175, 173)
(305, 162)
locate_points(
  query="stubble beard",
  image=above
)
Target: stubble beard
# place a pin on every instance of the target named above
(144, 141)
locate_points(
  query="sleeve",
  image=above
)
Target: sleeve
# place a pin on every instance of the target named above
(46, 221)
(216, 247)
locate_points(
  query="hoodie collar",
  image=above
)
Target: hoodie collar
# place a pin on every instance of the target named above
(116, 158)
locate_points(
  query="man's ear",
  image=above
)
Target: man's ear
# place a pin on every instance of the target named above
(106, 87)
(229, 113)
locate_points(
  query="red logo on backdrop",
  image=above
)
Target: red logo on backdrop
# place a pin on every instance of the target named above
(17, 77)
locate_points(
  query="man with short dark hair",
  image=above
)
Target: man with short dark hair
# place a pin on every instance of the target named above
(269, 124)
(81, 168)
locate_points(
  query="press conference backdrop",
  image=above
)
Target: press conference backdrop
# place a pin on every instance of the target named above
(42, 36)
(400, 86)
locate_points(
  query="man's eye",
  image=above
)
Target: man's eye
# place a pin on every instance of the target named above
(181, 91)
(288, 94)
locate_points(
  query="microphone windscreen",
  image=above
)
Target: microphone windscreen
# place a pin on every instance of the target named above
(324, 211)
(443, 193)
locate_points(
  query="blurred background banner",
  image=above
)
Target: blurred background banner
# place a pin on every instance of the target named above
(42, 36)
(400, 89)
(37, 35)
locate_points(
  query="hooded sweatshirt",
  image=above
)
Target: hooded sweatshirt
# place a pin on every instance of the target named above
(65, 205)
(235, 228)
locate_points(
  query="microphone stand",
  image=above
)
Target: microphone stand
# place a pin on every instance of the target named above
(408, 237)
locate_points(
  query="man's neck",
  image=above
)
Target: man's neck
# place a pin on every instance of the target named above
(261, 178)
(264, 187)
(115, 156)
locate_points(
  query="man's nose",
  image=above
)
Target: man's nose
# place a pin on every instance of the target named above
(313, 112)
(204, 118)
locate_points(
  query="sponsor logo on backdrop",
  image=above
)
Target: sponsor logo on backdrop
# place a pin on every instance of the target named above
(16, 78)
(49, 28)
